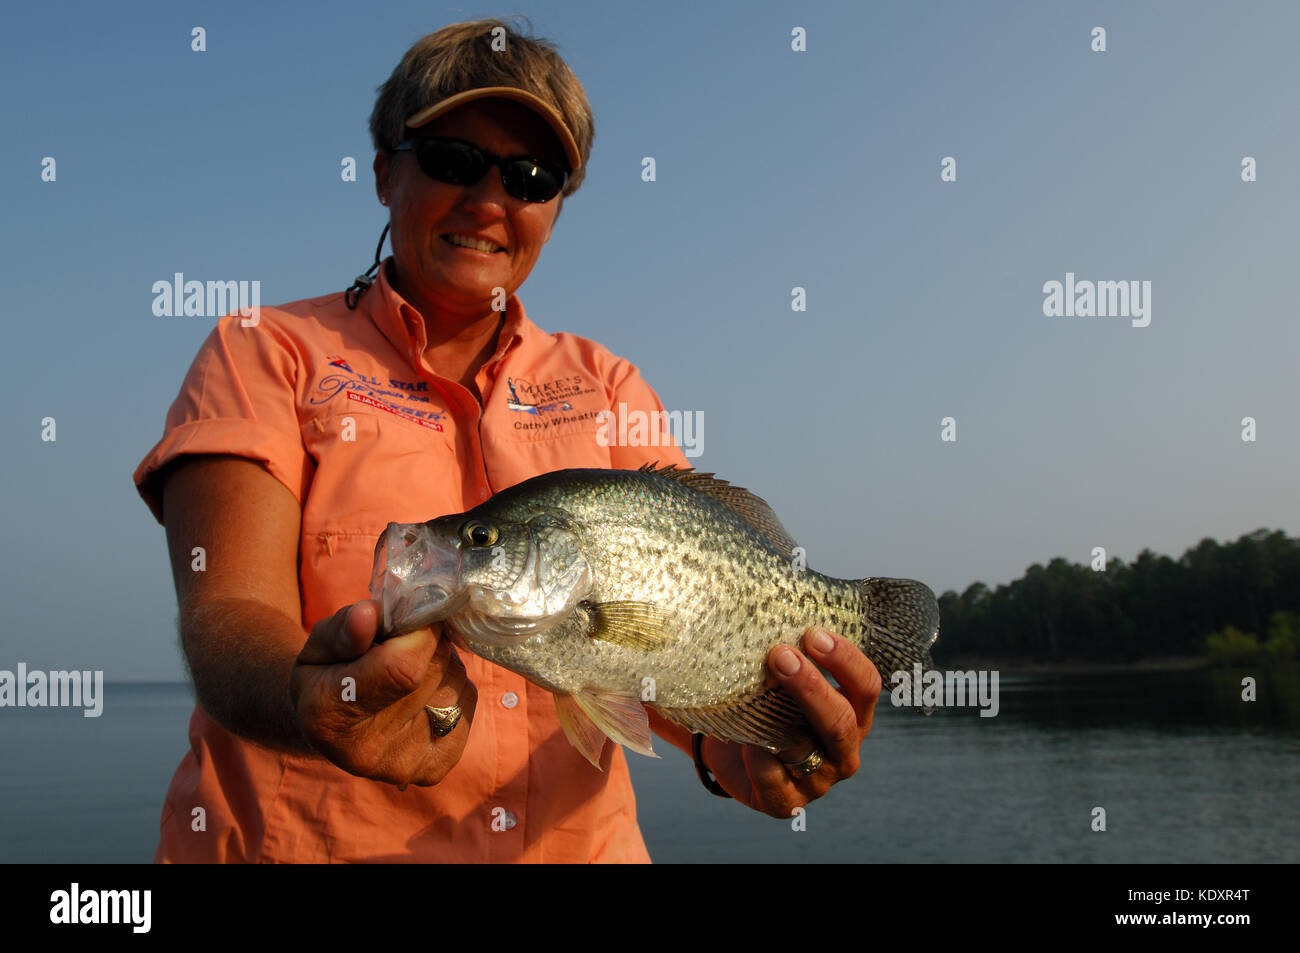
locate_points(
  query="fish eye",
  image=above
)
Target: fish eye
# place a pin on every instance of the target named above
(475, 533)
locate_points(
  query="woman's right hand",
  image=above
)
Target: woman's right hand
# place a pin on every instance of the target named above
(376, 726)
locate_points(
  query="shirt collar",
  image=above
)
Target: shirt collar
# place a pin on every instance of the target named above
(404, 328)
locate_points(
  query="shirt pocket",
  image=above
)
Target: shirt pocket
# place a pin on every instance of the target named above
(373, 468)
(510, 462)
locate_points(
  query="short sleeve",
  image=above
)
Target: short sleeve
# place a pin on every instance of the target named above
(239, 398)
(629, 388)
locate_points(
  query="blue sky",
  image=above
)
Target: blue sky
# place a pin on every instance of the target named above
(775, 169)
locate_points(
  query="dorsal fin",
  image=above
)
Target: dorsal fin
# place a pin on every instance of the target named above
(740, 501)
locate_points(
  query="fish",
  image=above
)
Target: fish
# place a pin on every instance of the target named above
(619, 590)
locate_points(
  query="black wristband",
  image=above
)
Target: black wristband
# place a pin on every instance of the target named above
(697, 748)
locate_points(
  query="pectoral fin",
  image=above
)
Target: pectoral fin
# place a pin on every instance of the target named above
(588, 717)
(637, 625)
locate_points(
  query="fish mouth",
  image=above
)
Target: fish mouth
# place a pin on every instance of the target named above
(414, 578)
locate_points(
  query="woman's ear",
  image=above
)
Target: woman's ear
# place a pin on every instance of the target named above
(383, 169)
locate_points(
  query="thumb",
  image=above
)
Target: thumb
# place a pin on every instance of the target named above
(344, 636)
(392, 670)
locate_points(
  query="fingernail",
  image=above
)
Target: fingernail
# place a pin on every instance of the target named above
(821, 641)
(787, 663)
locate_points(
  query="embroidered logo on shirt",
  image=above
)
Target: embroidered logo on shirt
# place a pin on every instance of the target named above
(549, 397)
(382, 395)
(371, 402)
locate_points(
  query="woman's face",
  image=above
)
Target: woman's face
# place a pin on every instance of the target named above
(434, 274)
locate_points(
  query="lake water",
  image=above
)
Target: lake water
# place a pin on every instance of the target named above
(1185, 770)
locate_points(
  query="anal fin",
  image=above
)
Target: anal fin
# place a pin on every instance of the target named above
(770, 719)
(580, 730)
(589, 716)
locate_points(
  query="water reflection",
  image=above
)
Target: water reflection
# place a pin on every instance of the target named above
(1174, 700)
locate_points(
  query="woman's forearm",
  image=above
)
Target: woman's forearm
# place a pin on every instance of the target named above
(240, 654)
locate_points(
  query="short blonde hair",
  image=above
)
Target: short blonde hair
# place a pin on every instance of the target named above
(460, 57)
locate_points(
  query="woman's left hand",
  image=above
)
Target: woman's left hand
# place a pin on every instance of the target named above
(840, 720)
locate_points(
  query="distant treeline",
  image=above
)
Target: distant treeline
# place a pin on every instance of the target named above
(1152, 607)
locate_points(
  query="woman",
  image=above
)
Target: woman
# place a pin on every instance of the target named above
(294, 442)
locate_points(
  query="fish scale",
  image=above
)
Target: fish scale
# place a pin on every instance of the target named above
(595, 581)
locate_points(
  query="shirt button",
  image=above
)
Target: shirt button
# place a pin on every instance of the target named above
(510, 699)
(509, 821)
(483, 493)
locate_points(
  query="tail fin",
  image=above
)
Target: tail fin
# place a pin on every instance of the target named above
(902, 621)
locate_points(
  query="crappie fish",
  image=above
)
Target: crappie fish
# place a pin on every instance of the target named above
(618, 588)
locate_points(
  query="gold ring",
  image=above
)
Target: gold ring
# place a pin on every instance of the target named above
(806, 766)
(443, 721)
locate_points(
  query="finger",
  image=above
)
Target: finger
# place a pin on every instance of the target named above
(829, 713)
(774, 788)
(397, 745)
(759, 780)
(446, 751)
(775, 791)
(393, 670)
(416, 752)
(444, 680)
(344, 636)
(858, 678)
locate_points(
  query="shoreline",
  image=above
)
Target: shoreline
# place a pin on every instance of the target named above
(1025, 666)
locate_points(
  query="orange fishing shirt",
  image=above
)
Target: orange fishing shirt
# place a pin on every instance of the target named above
(287, 393)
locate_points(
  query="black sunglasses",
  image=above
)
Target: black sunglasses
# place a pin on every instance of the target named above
(458, 162)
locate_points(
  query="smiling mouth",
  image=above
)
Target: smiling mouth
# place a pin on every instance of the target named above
(460, 241)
